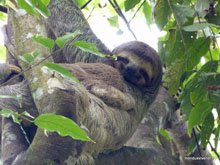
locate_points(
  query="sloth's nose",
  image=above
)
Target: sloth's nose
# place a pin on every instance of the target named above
(132, 70)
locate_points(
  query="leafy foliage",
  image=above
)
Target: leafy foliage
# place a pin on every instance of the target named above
(35, 7)
(63, 40)
(62, 71)
(147, 13)
(191, 57)
(16, 97)
(162, 13)
(129, 4)
(164, 133)
(88, 47)
(30, 57)
(64, 126)
(47, 42)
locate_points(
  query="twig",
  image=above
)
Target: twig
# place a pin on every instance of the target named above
(214, 150)
(3, 9)
(83, 6)
(180, 30)
(119, 12)
(137, 11)
(206, 39)
(197, 142)
(33, 66)
(210, 53)
(90, 14)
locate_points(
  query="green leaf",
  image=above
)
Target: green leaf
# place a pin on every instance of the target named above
(30, 57)
(61, 41)
(199, 93)
(207, 128)
(129, 4)
(181, 13)
(2, 53)
(199, 47)
(80, 3)
(113, 21)
(198, 26)
(210, 66)
(165, 48)
(162, 13)
(215, 95)
(64, 126)
(147, 12)
(173, 49)
(164, 133)
(25, 113)
(3, 17)
(16, 97)
(62, 71)
(158, 140)
(6, 113)
(192, 147)
(24, 5)
(9, 113)
(217, 137)
(173, 75)
(40, 7)
(214, 16)
(47, 42)
(88, 47)
(186, 105)
(186, 75)
(45, 2)
(202, 7)
(198, 113)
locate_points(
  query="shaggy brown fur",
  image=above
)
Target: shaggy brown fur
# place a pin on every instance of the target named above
(115, 99)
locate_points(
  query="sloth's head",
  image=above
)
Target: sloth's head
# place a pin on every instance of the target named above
(138, 63)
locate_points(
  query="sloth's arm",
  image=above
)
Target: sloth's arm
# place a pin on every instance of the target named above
(113, 97)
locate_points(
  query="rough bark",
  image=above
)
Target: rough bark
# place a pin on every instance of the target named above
(66, 17)
(163, 114)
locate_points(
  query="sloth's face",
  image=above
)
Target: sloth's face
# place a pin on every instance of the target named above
(139, 64)
(133, 69)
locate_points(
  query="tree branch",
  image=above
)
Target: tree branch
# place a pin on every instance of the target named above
(119, 12)
(137, 11)
(83, 6)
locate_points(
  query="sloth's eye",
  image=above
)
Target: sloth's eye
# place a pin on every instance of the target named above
(122, 59)
(144, 74)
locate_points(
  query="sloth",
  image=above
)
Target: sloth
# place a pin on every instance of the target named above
(119, 91)
(136, 63)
